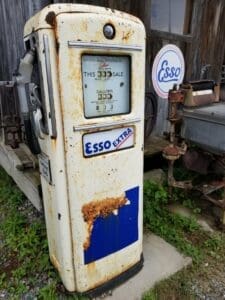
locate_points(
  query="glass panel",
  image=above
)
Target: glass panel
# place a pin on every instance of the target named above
(106, 85)
(177, 16)
(160, 15)
(168, 15)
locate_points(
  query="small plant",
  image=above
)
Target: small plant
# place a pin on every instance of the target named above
(151, 295)
(48, 292)
(25, 268)
(24, 251)
(173, 228)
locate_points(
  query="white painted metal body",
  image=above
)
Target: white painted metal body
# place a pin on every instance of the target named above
(79, 178)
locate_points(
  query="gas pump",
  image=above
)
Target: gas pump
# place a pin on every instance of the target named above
(88, 117)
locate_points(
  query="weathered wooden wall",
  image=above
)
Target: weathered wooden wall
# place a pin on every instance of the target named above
(204, 47)
(13, 15)
(208, 44)
(202, 44)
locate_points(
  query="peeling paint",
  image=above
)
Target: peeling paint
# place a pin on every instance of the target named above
(103, 208)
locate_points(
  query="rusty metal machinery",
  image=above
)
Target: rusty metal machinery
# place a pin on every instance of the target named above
(9, 114)
(200, 92)
(174, 150)
(201, 118)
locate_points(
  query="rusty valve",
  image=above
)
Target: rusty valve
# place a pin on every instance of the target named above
(175, 97)
(173, 152)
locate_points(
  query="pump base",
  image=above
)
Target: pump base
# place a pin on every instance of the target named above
(118, 280)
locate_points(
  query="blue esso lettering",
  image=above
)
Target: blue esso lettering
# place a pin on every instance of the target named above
(88, 148)
(97, 147)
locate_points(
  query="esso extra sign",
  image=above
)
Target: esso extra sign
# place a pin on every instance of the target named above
(168, 69)
(108, 141)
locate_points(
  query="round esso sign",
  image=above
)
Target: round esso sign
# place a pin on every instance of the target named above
(168, 69)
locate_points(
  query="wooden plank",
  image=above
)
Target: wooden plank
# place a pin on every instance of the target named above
(187, 18)
(28, 181)
(187, 38)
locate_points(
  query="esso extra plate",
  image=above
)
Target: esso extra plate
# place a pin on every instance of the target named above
(108, 141)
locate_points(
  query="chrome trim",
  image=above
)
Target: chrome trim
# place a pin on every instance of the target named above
(104, 46)
(49, 83)
(106, 125)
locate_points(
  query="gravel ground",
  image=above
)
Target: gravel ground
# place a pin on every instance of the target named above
(210, 288)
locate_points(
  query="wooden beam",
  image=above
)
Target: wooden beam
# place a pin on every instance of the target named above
(187, 38)
(28, 181)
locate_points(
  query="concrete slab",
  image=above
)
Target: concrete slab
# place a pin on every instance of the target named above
(202, 221)
(156, 175)
(161, 260)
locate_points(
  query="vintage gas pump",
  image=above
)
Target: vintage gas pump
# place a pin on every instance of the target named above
(88, 117)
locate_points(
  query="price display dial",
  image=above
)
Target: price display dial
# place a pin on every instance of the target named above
(106, 85)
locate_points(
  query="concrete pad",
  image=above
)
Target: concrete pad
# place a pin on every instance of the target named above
(187, 212)
(161, 260)
(156, 175)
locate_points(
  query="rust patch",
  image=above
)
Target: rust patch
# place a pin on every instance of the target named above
(127, 35)
(55, 262)
(95, 209)
(91, 267)
(171, 150)
(50, 18)
(53, 144)
(84, 26)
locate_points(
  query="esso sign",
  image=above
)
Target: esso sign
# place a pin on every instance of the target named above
(168, 69)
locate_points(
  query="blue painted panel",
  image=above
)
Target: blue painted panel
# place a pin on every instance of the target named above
(114, 233)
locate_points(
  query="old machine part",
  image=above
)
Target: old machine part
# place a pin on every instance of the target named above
(11, 132)
(30, 105)
(199, 93)
(205, 126)
(202, 125)
(174, 150)
(11, 126)
(19, 98)
(15, 156)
